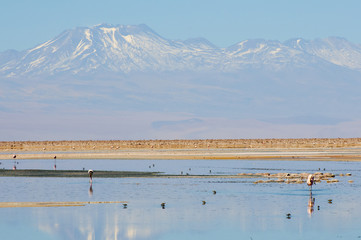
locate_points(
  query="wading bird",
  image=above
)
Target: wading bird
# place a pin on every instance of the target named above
(54, 162)
(90, 172)
(310, 181)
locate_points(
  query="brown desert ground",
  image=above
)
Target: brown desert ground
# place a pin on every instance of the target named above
(338, 149)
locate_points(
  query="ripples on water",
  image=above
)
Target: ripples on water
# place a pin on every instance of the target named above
(240, 209)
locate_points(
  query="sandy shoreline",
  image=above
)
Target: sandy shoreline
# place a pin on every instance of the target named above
(205, 155)
(280, 149)
(52, 204)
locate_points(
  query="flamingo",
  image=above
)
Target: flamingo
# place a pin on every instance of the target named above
(14, 167)
(54, 162)
(90, 172)
(310, 181)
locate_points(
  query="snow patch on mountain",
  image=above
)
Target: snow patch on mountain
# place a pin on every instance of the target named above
(137, 48)
(336, 50)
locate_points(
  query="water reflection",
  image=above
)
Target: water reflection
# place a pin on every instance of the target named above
(311, 203)
(235, 208)
(91, 189)
(149, 221)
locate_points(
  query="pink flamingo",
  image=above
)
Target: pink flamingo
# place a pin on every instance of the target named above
(310, 181)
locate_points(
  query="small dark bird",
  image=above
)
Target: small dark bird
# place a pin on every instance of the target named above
(330, 201)
(203, 202)
(162, 205)
(288, 215)
(125, 205)
(14, 156)
(318, 207)
(54, 157)
(214, 192)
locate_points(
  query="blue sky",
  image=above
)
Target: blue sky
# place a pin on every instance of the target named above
(25, 23)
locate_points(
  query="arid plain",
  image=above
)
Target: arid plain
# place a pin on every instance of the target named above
(328, 149)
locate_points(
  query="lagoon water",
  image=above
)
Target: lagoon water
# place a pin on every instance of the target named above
(240, 209)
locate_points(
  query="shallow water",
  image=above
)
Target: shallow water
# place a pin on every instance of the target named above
(196, 167)
(240, 209)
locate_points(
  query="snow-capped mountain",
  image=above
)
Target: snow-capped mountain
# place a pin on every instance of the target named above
(108, 48)
(298, 52)
(336, 50)
(137, 48)
(116, 81)
(273, 55)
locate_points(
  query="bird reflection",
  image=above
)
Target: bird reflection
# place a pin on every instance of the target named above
(311, 203)
(91, 189)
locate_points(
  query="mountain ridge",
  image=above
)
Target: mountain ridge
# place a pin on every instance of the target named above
(133, 48)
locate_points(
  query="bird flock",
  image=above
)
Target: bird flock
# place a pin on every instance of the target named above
(310, 182)
(290, 178)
